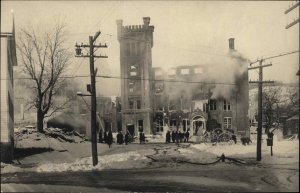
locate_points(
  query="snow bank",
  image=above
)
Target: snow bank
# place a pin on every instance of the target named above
(155, 138)
(226, 149)
(286, 148)
(282, 148)
(126, 160)
(10, 168)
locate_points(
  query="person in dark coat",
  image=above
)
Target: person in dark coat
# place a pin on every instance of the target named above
(168, 137)
(127, 137)
(176, 137)
(173, 136)
(100, 136)
(187, 135)
(105, 137)
(179, 136)
(142, 137)
(120, 139)
(109, 138)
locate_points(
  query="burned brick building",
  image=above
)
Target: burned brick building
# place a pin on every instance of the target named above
(136, 43)
(190, 97)
(185, 97)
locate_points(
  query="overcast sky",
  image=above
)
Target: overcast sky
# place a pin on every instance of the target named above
(185, 32)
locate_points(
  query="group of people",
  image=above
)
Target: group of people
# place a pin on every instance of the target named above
(177, 136)
(121, 139)
(106, 138)
(129, 138)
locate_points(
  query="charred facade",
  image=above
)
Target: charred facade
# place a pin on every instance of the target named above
(185, 100)
(154, 100)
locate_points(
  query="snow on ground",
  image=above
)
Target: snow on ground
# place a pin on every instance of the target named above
(76, 156)
(8, 168)
(30, 138)
(126, 160)
(281, 149)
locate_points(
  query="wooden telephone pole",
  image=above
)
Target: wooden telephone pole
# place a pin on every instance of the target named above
(93, 73)
(260, 120)
(296, 20)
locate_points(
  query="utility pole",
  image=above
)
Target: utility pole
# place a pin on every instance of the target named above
(260, 97)
(296, 20)
(93, 73)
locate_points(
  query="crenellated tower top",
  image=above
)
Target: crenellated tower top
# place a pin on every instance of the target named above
(125, 31)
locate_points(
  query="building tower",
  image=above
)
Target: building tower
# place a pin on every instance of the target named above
(136, 43)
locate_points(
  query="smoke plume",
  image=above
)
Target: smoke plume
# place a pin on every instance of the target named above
(221, 78)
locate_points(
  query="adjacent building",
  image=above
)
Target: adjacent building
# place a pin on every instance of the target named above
(8, 60)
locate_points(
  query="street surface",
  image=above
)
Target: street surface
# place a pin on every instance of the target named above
(163, 173)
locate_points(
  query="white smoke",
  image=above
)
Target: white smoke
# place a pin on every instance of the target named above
(224, 72)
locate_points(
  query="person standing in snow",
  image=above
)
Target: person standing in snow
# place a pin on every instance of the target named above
(105, 136)
(120, 139)
(168, 137)
(173, 136)
(100, 136)
(109, 138)
(142, 137)
(177, 136)
(180, 136)
(127, 137)
(187, 135)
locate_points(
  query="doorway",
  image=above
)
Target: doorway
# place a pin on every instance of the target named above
(199, 126)
(130, 129)
(141, 125)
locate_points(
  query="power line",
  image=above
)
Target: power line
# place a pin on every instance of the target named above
(132, 78)
(276, 56)
(111, 10)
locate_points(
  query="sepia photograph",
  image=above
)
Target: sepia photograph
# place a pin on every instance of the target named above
(149, 96)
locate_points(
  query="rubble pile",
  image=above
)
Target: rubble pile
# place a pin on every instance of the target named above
(64, 136)
(29, 132)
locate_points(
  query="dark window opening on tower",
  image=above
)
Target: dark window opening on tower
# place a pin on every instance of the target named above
(131, 104)
(138, 104)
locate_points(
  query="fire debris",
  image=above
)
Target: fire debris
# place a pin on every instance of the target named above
(71, 136)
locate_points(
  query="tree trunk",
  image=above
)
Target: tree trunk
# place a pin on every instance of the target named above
(40, 121)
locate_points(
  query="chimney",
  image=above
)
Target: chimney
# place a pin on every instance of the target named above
(231, 43)
(146, 21)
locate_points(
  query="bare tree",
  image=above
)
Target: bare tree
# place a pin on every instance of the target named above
(293, 101)
(271, 102)
(45, 60)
